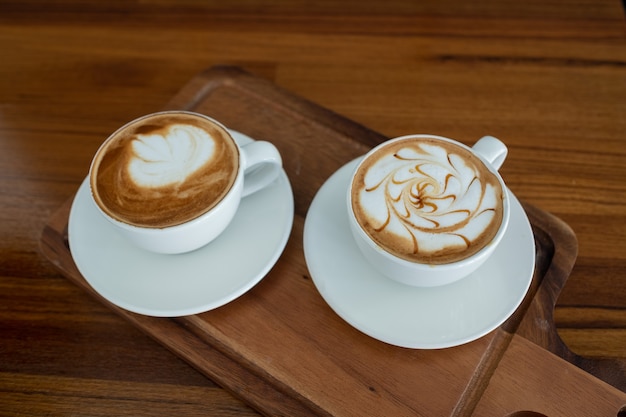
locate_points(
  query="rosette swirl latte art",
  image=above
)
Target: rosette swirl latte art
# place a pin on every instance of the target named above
(165, 170)
(427, 200)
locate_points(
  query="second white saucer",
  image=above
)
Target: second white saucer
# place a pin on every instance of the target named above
(412, 317)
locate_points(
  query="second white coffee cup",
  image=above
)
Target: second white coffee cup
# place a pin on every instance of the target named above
(422, 192)
(144, 141)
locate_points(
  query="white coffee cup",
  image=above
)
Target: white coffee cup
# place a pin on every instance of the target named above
(414, 234)
(189, 141)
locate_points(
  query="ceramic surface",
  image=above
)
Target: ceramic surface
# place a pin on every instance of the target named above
(190, 283)
(407, 316)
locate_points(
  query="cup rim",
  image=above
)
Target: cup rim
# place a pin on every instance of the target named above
(236, 185)
(484, 252)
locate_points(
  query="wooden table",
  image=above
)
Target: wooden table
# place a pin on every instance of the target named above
(549, 79)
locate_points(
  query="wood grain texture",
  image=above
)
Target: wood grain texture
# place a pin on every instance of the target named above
(526, 377)
(281, 349)
(546, 77)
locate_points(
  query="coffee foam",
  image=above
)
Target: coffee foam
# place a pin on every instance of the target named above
(427, 200)
(169, 157)
(164, 170)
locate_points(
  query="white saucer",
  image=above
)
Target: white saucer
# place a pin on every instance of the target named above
(191, 283)
(412, 317)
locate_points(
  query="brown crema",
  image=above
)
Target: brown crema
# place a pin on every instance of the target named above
(427, 200)
(127, 201)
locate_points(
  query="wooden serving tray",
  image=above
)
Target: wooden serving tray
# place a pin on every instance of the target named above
(285, 352)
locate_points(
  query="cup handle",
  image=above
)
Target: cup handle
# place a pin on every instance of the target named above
(492, 149)
(261, 163)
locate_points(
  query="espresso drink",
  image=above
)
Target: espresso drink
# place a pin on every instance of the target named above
(427, 200)
(164, 170)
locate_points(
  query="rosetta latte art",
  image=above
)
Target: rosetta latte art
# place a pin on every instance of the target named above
(164, 170)
(164, 159)
(430, 203)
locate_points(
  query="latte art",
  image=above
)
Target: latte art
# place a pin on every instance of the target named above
(427, 201)
(164, 170)
(161, 159)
